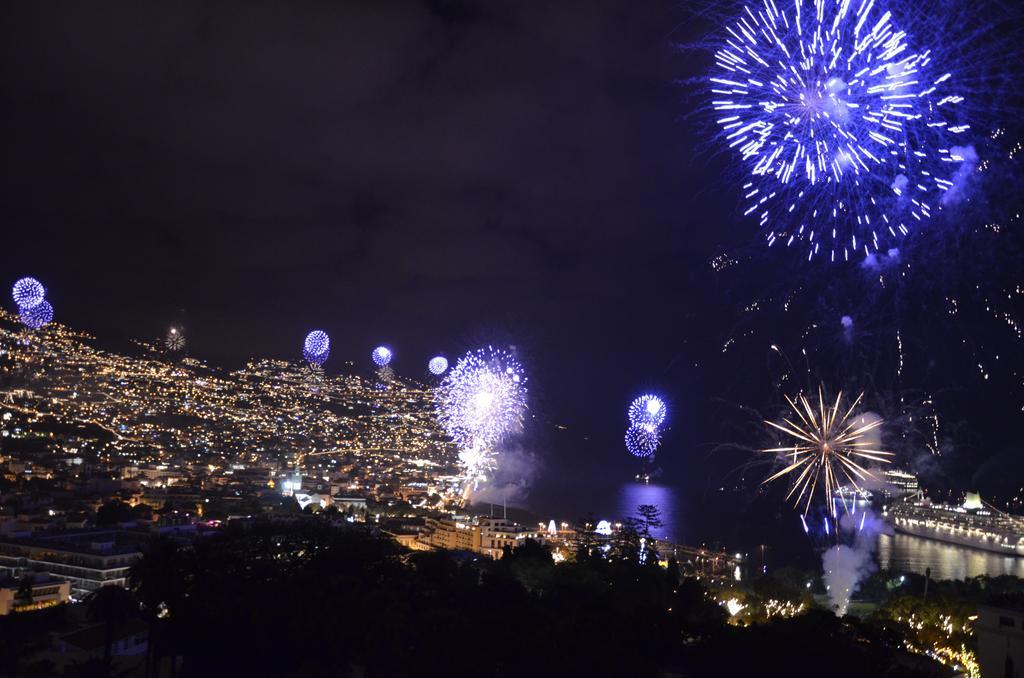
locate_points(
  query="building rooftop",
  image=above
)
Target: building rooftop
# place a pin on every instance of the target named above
(87, 541)
(94, 637)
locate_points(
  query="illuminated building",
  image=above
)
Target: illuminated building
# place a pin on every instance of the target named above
(345, 503)
(45, 592)
(488, 536)
(87, 559)
(320, 501)
(407, 538)
(450, 534)
(180, 498)
(496, 534)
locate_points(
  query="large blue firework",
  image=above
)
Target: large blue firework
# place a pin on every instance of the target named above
(482, 399)
(381, 356)
(34, 317)
(317, 347)
(850, 131)
(647, 409)
(28, 292)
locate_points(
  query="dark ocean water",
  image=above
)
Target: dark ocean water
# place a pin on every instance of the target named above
(694, 509)
(739, 517)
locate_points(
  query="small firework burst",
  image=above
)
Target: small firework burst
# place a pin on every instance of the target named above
(385, 376)
(643, 440)
(175, 340)
(313, 375)
(831, 447)
(438, 365)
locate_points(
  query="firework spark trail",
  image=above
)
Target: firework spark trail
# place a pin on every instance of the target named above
(828, 443)
(849, 130)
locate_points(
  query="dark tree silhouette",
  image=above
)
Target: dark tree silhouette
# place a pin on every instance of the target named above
(113, 512)
(113, 606)
(348, 601)
(650, 517)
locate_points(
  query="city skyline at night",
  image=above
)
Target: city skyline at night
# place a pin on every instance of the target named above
(441, 337)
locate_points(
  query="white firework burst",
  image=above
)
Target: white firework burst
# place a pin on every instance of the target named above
(829, 446)
(482, 400)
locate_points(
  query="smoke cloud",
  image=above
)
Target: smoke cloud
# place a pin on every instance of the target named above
(968, 158)
(847, 323)
(845, 566)
(511, 480)
(878, 261)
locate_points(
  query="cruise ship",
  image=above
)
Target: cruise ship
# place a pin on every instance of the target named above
(973, 524)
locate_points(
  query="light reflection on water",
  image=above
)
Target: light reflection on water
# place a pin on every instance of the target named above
(632, 495)
(904, 552)
(610, 500)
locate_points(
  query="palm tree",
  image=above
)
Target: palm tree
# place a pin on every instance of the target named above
(111, 605)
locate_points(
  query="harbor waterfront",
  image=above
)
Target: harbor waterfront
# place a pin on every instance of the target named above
(907, 553)
(693, 518)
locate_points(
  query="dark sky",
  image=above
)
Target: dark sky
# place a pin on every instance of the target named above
(431, 174)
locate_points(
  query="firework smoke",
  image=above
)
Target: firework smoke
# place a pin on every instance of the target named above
(845, 566)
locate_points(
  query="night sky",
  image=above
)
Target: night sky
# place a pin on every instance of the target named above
(433, 175)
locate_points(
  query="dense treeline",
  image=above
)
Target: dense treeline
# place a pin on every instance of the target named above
(307, 599)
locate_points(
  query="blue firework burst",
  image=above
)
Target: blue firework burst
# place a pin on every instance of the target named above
(647, 409)
(381, 356)
(28, 292)
(643, 440)
(849, 130)
(34, 317)
(317, 347)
